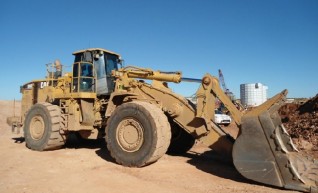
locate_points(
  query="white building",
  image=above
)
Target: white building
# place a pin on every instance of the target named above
(253, 94)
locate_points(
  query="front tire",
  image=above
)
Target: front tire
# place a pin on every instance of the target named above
(42, 127)
(137, 134)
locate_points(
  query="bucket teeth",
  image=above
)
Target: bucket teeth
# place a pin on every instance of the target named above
(292, 169)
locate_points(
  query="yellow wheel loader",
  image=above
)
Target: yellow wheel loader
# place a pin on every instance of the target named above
(141, 121)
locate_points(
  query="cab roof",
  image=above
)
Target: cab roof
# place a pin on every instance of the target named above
(95, 49)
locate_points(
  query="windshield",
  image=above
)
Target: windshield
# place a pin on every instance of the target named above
(218, 112)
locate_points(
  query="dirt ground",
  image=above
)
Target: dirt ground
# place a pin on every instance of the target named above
(87, 167)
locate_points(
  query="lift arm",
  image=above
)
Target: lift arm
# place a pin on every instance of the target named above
(209, 89)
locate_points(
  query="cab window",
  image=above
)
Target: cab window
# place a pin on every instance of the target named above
(83, 77)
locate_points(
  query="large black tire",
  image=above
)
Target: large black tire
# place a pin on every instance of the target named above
(42, 127)
(137, 134)
(181, 141)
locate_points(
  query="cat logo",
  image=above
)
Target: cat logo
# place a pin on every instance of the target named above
(43, 84)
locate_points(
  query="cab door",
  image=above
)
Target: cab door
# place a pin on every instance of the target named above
(83, 77)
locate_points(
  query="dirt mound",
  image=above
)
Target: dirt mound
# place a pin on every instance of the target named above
(310, 106)
(301, 122)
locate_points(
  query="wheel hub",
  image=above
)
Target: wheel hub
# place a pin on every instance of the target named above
(37, 127)
(130, 135)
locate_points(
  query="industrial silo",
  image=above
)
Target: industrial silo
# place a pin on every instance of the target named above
(253, 94)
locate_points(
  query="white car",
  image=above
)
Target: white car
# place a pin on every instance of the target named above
(222, 119)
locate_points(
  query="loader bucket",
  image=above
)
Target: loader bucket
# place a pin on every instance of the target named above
(264, 151)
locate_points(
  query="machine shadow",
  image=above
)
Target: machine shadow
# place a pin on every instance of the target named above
(18, 139)
(103, 153)
(212, 163)
(73, 142)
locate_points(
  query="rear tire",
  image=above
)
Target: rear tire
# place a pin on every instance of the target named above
(137, 134)
(42, 127)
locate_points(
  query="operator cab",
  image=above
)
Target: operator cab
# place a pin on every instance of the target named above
(92, 71)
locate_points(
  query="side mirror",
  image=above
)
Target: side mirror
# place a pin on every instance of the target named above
(97, 56)
(121, 63)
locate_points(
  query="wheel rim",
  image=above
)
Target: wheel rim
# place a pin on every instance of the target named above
(37, 127)
(130, 135)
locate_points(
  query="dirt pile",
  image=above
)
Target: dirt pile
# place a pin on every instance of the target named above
(301, 122)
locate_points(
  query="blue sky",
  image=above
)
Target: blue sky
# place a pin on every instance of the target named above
(274, 42)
